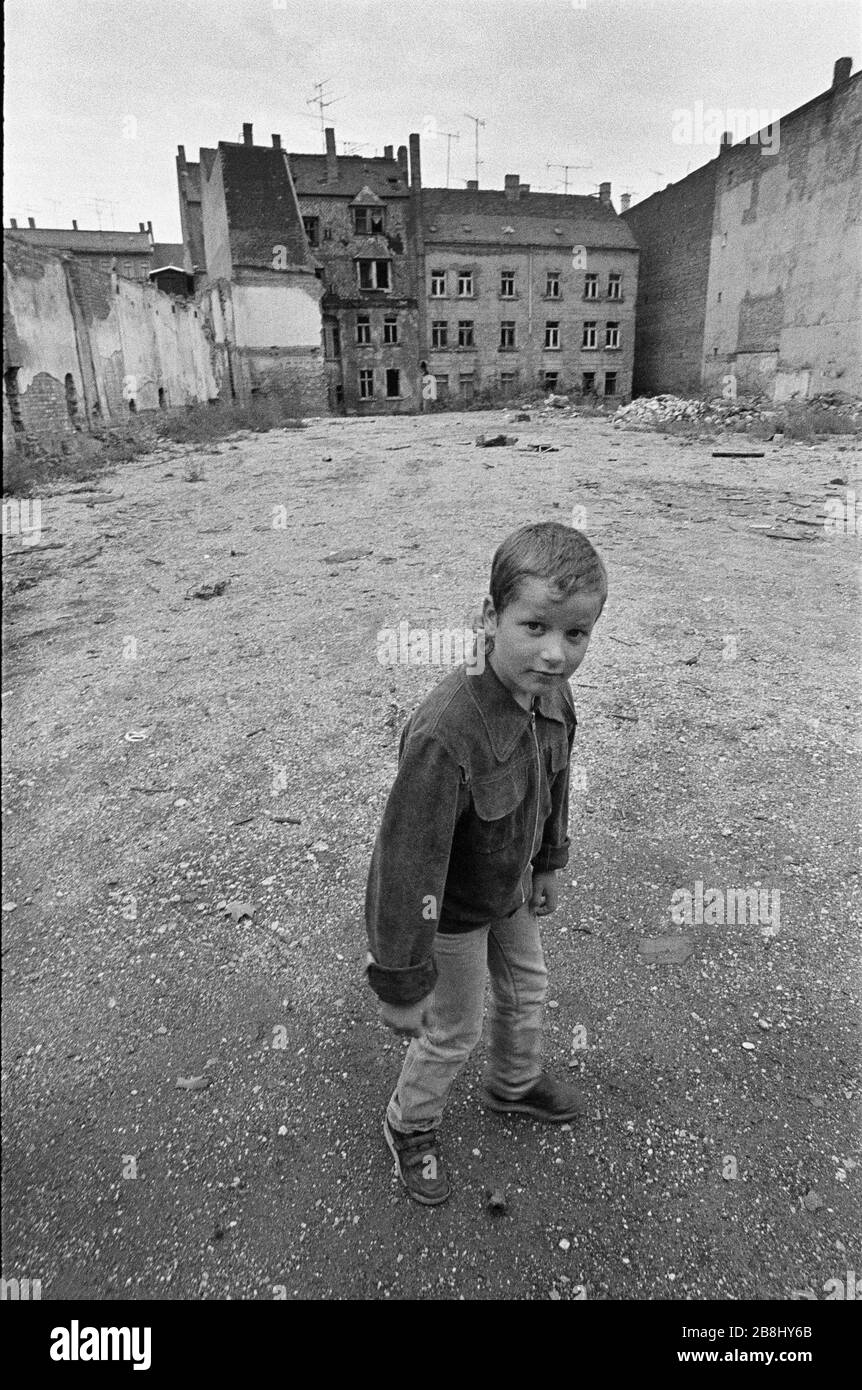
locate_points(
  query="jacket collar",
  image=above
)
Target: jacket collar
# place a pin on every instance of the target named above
(504, 719)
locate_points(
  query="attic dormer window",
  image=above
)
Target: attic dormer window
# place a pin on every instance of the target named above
(369, 221)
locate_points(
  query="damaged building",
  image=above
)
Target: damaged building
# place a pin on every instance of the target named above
(526, 290)
(751, 266)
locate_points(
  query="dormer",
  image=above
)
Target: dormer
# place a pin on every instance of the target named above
(369, 213)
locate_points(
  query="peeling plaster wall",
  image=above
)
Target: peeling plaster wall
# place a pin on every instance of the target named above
(118, 340)
(784, 294)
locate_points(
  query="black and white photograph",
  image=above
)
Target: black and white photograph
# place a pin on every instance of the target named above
(431, 648)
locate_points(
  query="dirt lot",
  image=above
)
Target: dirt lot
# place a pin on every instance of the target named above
(717, 745)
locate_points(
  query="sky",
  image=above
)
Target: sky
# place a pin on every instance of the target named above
(99, 93)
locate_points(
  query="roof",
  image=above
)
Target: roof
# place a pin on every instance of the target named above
(480, 215)
(67, 239)
(261, 206)
(384, 177)
(168, 255)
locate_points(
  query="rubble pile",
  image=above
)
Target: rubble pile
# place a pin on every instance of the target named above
(648, 412)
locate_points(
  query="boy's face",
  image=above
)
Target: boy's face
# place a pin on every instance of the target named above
(540, 639)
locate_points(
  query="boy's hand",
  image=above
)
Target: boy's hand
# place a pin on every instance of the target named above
(409, 1020)
(543, 898)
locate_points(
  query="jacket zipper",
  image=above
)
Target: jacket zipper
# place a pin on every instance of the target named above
(538, 798)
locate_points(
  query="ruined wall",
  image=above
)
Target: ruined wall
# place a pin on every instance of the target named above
(83, 345)
(674, 231)
(784, 300)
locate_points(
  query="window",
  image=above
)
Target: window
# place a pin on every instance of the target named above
(612, 335)
(507, 334)
(327, 235)
(390, 329)
(552, 334)
(615, 286)
(439, 334)
(591, 287)
(368, 221)
(508, 382)
(331, 338)
(610, 383)
(507, 284)
(465, 284)
(465, 333)
(588, 383)
(552, 284)
(366, 384)
(312, 230)
(393, 382)
(104, 263)
(363, 329)
(467, 386)
(442, 388)
(589, 334)
(373, 275)
(438, 284)
(551, 379)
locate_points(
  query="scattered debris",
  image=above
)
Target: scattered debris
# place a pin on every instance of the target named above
(495, 441)
(666, 950)
(237, 909)
(136, 735)
(809, 1201)
(540, 449)
(732, 454)
(193, 1083)
(495, 1200)
(209, 590)
(338, 557)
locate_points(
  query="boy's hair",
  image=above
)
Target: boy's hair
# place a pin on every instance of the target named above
(546, 550)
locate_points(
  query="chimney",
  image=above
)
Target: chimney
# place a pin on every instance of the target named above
(415, 163)
(625, 202)
(74, 225)
(150, 230)
(402, 162)
(13, 223)
(387, 151)
(141, 227)
(331, 156)
(472, 185)
(842, 71)
(31, 222)
(727, 140)
(524, 188)
(276, 142)
(511, 187)
(605, 194)
(247, 136)
(181, 153)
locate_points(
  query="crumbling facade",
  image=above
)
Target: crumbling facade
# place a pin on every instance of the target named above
(526, 290)
(83, 347)
(751, 267)
(130, 254)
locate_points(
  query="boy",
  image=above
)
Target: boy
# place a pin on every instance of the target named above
(471, 838)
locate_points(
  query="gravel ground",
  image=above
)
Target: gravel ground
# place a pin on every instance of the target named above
(717, 744)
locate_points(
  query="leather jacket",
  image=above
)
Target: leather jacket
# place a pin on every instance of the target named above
(480, 798)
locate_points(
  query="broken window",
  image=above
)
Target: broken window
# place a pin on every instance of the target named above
(552, 334)
(551, 380)
(366, 384)
(331, 338)
(327, 234)
(438, 284)
(439, 334)
(610, 383)
(612, 335)
(312, 230)
(507, 334)
(390, 329)
(615, 286)
(552, 284)
(465, 284)
(508, 382)
(589, 340)
(363, 328)
(588, 383)
(467, 386)
(368, 221)
(465, 333)
(393, 382)
(442, 388)
(591, 287)
(373, 275)
(507, 284)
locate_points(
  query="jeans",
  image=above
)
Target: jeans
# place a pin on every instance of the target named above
(511, 949)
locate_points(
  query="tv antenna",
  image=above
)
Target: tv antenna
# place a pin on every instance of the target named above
(353, 146)
(321, 103)
(450, 136)
(659, 173)
(565, 168)
(477, 123)
(99, 204)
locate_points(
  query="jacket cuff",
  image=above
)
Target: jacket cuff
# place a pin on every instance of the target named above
(551, 857)
(402, 986)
